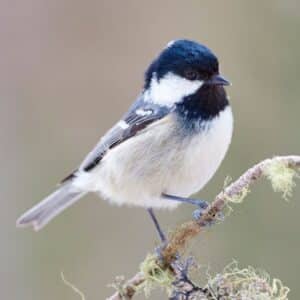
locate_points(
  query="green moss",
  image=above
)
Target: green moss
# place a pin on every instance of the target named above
(281, 177)
(155, 276)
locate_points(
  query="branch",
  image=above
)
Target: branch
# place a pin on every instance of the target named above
(181, 236)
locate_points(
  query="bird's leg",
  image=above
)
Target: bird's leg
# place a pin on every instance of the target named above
(201, 204)
(156, 224)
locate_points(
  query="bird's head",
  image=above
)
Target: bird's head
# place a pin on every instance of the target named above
(180, 70)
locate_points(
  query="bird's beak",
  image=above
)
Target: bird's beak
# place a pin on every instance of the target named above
(217, 80)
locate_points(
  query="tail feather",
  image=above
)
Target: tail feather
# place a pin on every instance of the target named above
(41, 214)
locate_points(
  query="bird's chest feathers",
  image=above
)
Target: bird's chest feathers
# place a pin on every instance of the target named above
(202, 154)
(160, 159)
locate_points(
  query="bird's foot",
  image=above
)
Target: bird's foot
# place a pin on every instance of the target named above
(198, 213)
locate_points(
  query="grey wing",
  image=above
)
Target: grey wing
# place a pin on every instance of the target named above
(140, 115)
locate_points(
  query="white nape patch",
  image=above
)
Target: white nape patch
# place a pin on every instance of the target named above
(123, 124)
(141, 112)
(171, 43)
(170, 89)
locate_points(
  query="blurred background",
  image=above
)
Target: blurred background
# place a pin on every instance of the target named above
(68, 71)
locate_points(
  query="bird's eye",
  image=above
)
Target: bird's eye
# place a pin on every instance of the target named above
(191, 74)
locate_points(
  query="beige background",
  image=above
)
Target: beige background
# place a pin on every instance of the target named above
(69, 69)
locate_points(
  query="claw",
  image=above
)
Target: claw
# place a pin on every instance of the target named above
(198, 213)
(202, 204)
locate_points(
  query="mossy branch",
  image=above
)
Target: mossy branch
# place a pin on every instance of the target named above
(280, 170)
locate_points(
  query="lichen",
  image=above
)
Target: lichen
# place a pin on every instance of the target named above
(246, 284)
(72, 286)
(155, 276)
(119, 285)
(281, 177)
(238, 198)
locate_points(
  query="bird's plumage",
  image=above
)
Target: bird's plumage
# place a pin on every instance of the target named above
(161, 159)
(42, 213)
(180, 56)
(139, 116)
(171, 140)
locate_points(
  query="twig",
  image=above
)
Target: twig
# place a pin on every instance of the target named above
(188, 230)
(129, 288)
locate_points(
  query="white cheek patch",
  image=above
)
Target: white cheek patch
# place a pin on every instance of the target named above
(170, 89)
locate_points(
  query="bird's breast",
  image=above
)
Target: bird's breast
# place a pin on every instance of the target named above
(162, 159)
(202, 154)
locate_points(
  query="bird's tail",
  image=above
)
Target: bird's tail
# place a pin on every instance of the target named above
(41, 214)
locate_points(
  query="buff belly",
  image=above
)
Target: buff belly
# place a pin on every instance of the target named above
(160, 160)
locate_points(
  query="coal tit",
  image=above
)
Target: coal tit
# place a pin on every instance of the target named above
(165, 148)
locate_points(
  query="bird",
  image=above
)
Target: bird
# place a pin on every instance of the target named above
(164, 149)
